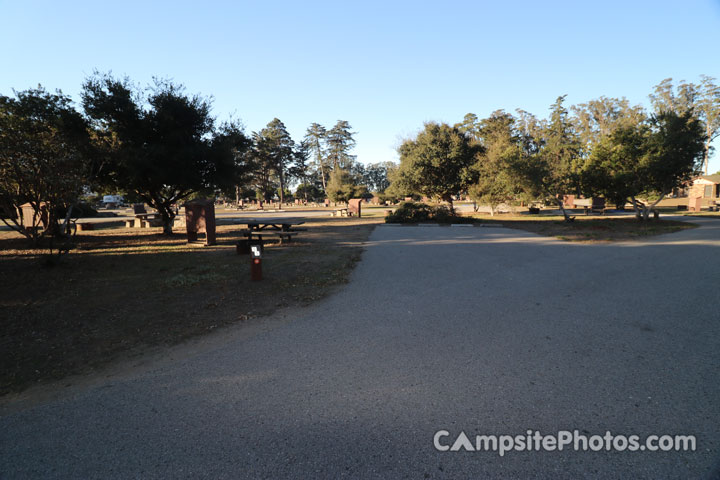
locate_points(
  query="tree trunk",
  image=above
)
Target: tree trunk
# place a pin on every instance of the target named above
(167, 220)
(643, 210)
(449, 199)
(322, 176)
(66, 224)
(638, 207)
(706, 154)
(166, 214)
(305, 182)
(282, 188)
(561, 204)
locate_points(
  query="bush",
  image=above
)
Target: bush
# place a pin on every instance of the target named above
(415, 212)
(409, 212)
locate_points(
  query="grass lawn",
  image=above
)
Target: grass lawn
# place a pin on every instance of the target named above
(122, 291)
(586, 228)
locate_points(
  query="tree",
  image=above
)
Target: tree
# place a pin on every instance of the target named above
(672, 157)
(342, 186)
(299, 169)
(594, 122)
(596, 118)
(703, 100)
(437, 163)
(340, 142)
(553, 167)
(399, 186)
(314, 138)
(612, 165)
(376, 176)
(502, 149)
(263, 178)
(470, 126)
(708, 107)
(529, 129)
(45, 159)
(166, 145)
(666, 99)
(650, 159)
(309, 191)
(275, 149)
(358, 172)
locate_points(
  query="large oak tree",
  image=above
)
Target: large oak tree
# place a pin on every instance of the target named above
(165, 145)
(437, 162)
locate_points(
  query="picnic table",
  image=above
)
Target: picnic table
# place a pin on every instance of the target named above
(282, 228)
(142, 218)
(277, 224)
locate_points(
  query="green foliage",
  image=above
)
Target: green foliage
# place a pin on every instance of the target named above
(648, 160)
(597, 118)
(340, 142)
(436, 163)
(415, 212)
(612, 165)
(552, 166)
(668, 98)
(309, 191)
(708, 108)
(343, 186)
(702, 100)
(46, 157)
(300, 168)
(375, 176)
(273, 153)
(314, 140)
(470, 126)
(161, 143)
(502, 150)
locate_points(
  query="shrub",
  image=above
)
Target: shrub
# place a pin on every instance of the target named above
(409, 212)
(415, 212)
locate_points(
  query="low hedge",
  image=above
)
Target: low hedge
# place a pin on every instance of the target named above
(416, 212)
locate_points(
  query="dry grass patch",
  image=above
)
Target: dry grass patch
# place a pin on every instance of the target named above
(121, 291)
(587, 229)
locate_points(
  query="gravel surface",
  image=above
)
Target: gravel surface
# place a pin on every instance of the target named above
(481, 330)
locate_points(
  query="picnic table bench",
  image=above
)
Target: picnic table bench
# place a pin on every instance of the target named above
(589, 210)
(280, 228)
(259, 234)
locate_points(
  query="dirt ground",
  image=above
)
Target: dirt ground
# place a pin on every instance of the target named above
(121, 291)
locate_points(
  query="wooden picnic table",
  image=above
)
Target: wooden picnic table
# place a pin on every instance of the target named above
(272, 227)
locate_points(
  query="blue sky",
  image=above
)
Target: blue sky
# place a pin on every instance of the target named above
(386, 67)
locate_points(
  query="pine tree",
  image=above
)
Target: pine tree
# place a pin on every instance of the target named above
(315, 138)
(340, 142)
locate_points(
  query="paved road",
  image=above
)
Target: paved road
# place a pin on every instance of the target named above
(481, 330)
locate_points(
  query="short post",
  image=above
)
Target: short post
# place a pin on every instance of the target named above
(255, 263)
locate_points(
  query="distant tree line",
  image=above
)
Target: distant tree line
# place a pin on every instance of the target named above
(159, 145)
(604, 147)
